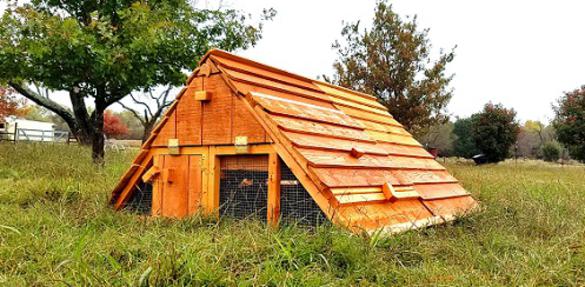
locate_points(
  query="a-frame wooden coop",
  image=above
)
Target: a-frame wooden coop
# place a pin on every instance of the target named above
(246, 140)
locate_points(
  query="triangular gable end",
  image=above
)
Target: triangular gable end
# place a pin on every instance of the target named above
(359, 164)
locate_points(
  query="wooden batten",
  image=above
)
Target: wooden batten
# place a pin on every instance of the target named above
(202, 96)
(150, 174)
(274, 175)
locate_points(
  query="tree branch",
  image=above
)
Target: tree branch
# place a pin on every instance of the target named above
(45, 102)
(134, 113)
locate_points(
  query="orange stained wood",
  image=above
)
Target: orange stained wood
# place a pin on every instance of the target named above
(274, 175)
(342, 145)
(178, 190)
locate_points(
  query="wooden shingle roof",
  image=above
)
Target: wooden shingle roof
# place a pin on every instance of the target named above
(323, 127)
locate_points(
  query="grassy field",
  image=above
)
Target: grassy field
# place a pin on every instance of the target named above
(56, 229)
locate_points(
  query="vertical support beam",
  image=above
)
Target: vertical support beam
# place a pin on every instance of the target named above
(157, 187)
(273, 214)
(213, 185)
(205, 174)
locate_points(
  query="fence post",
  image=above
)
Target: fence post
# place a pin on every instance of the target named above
(15, 132)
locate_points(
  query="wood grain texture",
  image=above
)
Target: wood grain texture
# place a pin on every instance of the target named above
(456, 206)
(217, 113)
(325, 142)
(167, 131)
(316, 128)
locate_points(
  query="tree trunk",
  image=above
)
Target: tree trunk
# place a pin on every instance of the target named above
(147, 130)
(98, 140)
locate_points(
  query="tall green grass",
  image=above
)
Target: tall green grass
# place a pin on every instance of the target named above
(57, 229)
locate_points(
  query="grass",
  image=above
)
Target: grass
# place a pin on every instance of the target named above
(56, 229)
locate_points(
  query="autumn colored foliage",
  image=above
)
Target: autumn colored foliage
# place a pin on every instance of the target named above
(113, 125)
(9, 104)
(569, 122)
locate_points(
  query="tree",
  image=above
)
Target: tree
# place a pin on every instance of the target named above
(569, 122)
(100, 51)
(464, 144)
(551, 151)
(494, 131)
(113, 125)
(9, 104)
(154, 106)
(440, 137)
(392, 61)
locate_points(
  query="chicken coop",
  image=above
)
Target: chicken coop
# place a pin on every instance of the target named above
(250, 141)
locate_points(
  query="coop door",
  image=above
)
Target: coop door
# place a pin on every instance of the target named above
(243, 186)
(177, 190)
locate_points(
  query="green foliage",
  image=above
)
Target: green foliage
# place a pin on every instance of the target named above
(464, 144)
(551, 151)
(392, 61)
(57, 229)
(494, 131)
(441, 137)
(569, 122)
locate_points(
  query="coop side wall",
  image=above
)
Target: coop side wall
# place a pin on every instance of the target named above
(217, 121)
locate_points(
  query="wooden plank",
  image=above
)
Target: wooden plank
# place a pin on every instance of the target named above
(217, 113)
(354, 177)
(244, 123)
(316, 128)
(325, 142)
(360, 198)
(189, 115)
(407, 151)
(212, 205)
(368, 109)
(305, 111)
(393, 138)
(451, 206)
(349, 95)
(242, 67)
(130, 184)
(274, 175)
(322, 158)
(380, 214)
(245, 88)
(383, 127)
(194, 184)
(384, 119)
(157, 188)
(174, 195)
(123, 181)
(440, 190)
(168, 131)
(423, 177)
(276, 85)
(356, 190)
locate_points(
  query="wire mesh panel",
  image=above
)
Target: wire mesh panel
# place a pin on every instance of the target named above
(141, 200)
(296, 204)
(243, 186)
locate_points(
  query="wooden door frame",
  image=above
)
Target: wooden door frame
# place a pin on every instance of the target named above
(214, 172)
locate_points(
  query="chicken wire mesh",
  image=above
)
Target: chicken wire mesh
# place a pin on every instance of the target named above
(243, 186)
(141, 200)
(296, 204)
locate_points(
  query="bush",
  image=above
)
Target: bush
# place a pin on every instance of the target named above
(551, 151)
(494, 131)
(569, 122)
(464, 145)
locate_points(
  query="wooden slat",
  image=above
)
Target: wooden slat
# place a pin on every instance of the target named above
(384, 119)
(280, 86)
(423, 177)
(365, 108)
(189, 118)
(194, 186)
(382, 127)
(274, 175)
(305, 111)
(334, 158)
(377, 215)
(324, 142)
(441, 190)
(245, 88)
(393, 138)
(356, 190)
(168, 131)
(344, 94)
(244, 123)
(216, 120)
(242, 67)
(311, 127)
(354, 177)
(402, 150)
(360, 198)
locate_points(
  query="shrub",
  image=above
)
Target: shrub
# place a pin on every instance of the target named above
(569, 122)
(494, 131)
(464, 145)
(551, 151)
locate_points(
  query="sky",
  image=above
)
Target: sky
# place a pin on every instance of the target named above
(523, 54)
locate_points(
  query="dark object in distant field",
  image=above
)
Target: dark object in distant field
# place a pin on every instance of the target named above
(480, 159)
